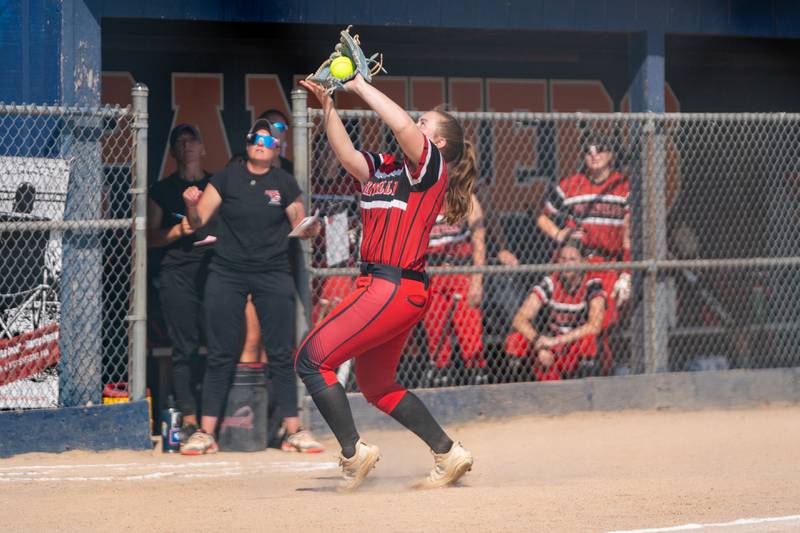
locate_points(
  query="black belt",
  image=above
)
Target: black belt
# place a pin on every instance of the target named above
(392, 273)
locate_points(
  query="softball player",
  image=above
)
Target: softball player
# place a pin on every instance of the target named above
(452, 245)
(594, 205)
(575, 304)
(400, 199)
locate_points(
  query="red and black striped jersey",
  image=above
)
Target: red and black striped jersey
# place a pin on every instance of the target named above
(399, 206)
(450, 243)
(567, 310)
(597, 208)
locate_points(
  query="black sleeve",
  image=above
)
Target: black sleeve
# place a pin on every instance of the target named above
(158, 193)
(374, 160)
(554, 206)
(594, 289)
(219, 181)
(428, 170)
(291, 190)
(544, 290)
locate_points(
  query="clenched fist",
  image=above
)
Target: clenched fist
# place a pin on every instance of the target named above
(191, 196)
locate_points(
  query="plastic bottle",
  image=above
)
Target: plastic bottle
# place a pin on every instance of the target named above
(171, 421)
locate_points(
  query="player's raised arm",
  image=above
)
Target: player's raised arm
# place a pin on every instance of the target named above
(409, 136)
(350, 158)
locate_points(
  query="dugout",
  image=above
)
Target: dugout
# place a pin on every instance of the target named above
(730, 56)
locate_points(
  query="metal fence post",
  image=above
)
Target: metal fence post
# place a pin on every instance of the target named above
(655, 249)
(80, 372)
(138, 318)
(300, 145)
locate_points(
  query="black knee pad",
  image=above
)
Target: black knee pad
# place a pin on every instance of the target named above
(309, 372)
(303, 365)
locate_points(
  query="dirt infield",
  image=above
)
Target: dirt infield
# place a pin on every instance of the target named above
(581, 472)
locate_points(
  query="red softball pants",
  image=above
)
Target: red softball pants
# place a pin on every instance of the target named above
(371, 325)
(448, 311)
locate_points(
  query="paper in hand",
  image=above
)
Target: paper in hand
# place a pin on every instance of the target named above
(210, 239)
(305, 223)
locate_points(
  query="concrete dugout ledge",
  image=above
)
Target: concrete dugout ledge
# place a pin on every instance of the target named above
(101, 427)
(682, 391)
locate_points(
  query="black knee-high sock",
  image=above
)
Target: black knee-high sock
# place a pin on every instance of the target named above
(413, 414)
(335, 409)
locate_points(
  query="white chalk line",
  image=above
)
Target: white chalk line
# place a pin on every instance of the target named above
(57, 473)
(734, 523)
(109, 466)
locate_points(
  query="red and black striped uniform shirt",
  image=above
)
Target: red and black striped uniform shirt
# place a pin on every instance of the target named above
(399, 207)
(567, 310)
(597, 208)
(450, 243)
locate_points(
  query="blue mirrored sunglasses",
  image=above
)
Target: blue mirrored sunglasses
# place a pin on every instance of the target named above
(280, 127)
(267, 140)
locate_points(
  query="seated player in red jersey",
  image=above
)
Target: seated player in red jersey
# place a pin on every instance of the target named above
(336, 196)
(594, 204)
(575, 303)
(400, 199)
(456, 298)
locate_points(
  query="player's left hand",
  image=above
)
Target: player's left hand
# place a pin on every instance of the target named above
(622, 289)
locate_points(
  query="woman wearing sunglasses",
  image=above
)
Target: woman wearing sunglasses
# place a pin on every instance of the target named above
(280, 129)
(257, 205)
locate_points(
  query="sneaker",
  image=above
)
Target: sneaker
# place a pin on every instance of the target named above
(186, 431)
(302, 441)
(448, 467)
(200, 443)
(355, 469)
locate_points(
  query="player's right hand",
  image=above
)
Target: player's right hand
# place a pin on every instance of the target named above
(507, 258)
(570, 233)
(354, 83)
(191, 196)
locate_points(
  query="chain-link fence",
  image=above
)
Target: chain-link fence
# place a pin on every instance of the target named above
(699, 211)
(67, 249)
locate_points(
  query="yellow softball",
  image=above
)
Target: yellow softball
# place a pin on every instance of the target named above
(342, 67)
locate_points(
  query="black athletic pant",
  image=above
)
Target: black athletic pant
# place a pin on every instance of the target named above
(226, 296)
(180, 291)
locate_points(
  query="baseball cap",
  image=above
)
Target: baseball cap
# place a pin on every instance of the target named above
(260, 124)
(183, 128)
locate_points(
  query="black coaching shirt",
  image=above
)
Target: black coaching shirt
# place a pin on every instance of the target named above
(253, 227)
(168, 195)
